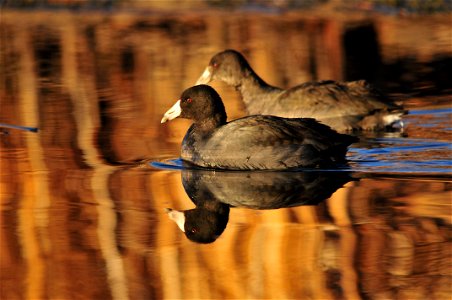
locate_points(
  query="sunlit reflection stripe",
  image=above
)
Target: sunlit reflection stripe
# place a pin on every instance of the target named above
(349, 279)
(340, 211)
(33, 214)
(86, 115)
(167, 235)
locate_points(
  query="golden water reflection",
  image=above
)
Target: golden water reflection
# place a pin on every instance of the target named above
(104, 234)
(82, 217)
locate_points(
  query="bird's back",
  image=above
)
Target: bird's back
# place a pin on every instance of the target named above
(342, 106)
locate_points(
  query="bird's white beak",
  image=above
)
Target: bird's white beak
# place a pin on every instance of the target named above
(206, 76)
(172, 113)
(177, 216)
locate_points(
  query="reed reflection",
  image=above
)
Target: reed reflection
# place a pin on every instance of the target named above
(214, 192)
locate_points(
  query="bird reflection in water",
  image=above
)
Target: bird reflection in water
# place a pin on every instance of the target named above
(214, 192)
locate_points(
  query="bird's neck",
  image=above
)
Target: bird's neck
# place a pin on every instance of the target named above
(205, 126)
(197, 135)
(255, 90)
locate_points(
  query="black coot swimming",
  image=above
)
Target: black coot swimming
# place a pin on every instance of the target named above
(253, 142)
(345, 106)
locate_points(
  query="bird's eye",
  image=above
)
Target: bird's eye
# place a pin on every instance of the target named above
(189, 100)
(194, 230)
(215, 65)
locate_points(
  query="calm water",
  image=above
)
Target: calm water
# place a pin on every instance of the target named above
(83, 200)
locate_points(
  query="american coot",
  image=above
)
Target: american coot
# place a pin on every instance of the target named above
(253, 142)
(213, 192)
(344, 106)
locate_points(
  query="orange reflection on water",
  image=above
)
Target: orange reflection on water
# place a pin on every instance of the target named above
(82, 218)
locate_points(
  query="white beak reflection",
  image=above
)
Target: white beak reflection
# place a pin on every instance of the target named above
(172, 113)
(177, 216)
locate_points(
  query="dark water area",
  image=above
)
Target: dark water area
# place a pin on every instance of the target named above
(84, 200)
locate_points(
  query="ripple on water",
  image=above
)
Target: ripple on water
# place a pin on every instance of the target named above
(402, 156)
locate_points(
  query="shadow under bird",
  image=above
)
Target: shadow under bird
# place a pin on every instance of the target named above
(214, 192)
(345, 106)
(254, 142)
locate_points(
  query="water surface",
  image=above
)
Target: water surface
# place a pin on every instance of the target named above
(83, 200)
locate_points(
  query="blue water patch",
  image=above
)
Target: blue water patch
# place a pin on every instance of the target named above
(169, 164)
(398, 145)
(402, 155)
(435, 111)
(438, 118)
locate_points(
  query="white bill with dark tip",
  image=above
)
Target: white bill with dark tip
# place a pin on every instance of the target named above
(178, 217)
(206, 76)
(172, 113)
